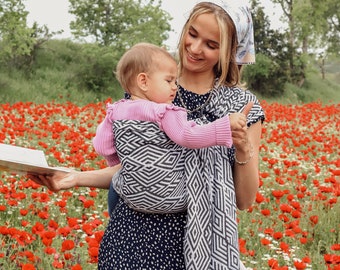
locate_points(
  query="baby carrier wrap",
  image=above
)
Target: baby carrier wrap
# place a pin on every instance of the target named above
(159, 176)
(201, 180)
(152, 177)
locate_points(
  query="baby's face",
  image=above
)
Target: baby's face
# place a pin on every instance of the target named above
(162, 85)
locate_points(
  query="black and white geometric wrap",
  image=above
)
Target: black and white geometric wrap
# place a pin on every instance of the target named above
(159, 176)
(152, 178)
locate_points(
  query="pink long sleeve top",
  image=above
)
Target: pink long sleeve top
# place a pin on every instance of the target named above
(170, 118)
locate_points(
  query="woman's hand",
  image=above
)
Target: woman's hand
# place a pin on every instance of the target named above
(246, 141)
(56, 181)
(238, 125)
(65, 180)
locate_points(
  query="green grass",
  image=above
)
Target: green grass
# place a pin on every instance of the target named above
(52, 85)
(46, 86)
(314, 89)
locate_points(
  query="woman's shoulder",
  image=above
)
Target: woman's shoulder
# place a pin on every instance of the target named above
(239, 96)
(238, 92)
(234, 99)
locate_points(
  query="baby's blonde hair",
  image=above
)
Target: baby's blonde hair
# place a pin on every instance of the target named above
(142, 57)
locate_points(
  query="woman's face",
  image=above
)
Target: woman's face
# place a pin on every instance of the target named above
(202, 44)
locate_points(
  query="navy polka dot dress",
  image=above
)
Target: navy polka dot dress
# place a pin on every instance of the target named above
(135, 240)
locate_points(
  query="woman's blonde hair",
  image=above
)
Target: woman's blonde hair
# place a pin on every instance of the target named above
(142, 57)
(226, 69)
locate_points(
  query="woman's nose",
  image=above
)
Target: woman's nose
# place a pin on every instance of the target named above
(196, 48)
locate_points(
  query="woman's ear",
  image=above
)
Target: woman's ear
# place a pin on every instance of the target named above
(142, 80)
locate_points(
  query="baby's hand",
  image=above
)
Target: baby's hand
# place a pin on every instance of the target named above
(237, 121)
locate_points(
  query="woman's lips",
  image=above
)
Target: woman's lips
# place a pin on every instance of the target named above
(191, 57)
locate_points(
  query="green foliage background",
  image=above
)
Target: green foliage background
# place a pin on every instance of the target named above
(34, 67)
(65, 71)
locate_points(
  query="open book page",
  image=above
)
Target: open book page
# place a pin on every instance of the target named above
(25, 160)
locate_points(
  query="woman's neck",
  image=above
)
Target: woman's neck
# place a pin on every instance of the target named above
(199, 83)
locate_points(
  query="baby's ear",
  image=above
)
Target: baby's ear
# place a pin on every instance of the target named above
(142, 79)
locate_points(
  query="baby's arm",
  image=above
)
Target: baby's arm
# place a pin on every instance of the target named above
(103, 142)
(191, 135)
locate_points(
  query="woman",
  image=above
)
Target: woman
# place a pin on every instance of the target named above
(215, 41)
(211, 49)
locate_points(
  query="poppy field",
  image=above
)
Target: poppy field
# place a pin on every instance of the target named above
(294, 223)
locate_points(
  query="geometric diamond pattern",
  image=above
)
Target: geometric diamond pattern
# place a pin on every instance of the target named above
(160, 176)
(164, 177)
(149, 181)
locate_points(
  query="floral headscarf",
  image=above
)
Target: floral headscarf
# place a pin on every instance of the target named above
(239, 12)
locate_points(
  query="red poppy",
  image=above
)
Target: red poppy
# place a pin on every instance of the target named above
(273, 263)
(76, 267)
(265, 241)
(43, 215)
(285, 208)
(314, 219)
(277, 235)
(67, 245)
(300, 265)
(265, 212)
(68, 256)
(23, 212)
(284, 247)
(49, 250)
(28, 266)
(303, 240)
(88, 203)
(335, 247)
(53, 225)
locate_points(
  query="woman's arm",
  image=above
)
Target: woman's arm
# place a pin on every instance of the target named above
(63, 180)
(246, 176)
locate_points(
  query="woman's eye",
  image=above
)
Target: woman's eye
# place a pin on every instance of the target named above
(212, 46)
(192, 34)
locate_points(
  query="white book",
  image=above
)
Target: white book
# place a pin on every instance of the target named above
(25, 160)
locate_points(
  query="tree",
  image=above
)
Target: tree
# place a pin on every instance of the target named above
(287, 8)
(312, 25)
(19, 42)
(16, 39)
(269, 74)
(297, 13)
(115, 25)
(120, 23)
(332, 33)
